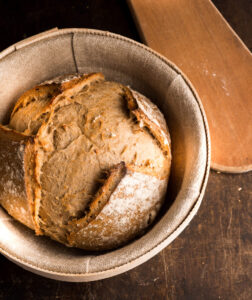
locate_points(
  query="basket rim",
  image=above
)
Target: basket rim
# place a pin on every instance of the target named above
(89, 276)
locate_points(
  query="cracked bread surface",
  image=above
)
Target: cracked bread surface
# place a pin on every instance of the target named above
(16, 165)
(27, 115)
(96, 153)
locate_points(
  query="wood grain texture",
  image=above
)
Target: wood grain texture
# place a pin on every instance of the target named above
(211, 259)
(194, 35)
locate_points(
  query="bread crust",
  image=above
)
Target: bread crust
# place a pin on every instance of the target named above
(133, 191)
(150, 117)
(30, 105)
(16, 154)
(131, 208)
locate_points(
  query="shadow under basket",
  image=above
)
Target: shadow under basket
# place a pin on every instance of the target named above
(68, 51)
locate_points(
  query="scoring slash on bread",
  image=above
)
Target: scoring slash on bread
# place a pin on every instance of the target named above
(84, 161)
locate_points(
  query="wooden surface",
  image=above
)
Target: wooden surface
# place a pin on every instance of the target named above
(212, 258)
(193, 35)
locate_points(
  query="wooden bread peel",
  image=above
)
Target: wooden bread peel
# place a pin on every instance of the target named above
(195, 36)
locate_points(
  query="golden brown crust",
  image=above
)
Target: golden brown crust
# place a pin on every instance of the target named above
(30, 181)
(31, 105)
(161, 137)
(80, 132)
(14, 188)
(131, 208)
(97, 204)
(82, 81)
(101, 197)
(39, 91)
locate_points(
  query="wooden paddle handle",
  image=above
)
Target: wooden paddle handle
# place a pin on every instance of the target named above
(195, 36)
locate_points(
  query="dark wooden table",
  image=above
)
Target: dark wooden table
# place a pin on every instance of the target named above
(212, 258)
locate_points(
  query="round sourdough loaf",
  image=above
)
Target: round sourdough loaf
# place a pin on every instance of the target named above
(96, 160)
